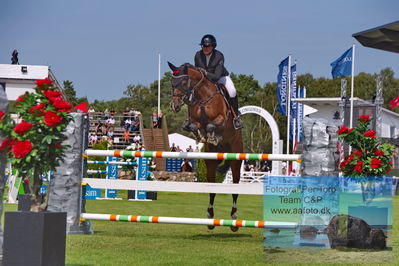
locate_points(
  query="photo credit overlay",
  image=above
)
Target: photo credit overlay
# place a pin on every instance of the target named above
(330, 212)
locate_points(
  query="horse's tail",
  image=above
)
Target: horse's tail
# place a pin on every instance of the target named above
(224, 167)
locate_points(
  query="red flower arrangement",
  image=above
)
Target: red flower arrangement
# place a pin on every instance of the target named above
(369, 133)
(22, 127)
(41, 83)
(21, 148)
(52, 119)
(369, 156)
(44, 116)
(37, 109)
(62, 106)
(2, 114)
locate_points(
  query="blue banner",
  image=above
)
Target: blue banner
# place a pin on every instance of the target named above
(112, 170)
(343, 65)
(301, 94)
(293, 105)
(282, 80)
(142, 174)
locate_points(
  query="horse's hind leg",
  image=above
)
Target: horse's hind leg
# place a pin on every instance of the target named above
(211, 177)
(235, 168)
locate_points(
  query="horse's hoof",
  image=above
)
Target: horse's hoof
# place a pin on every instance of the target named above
(211, 227)
(210, 213)
(234, 228)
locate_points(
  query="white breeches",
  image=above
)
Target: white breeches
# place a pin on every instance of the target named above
(228, 83)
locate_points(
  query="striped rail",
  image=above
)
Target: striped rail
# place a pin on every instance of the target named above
(97, 171)
(189, 221)
(196, 155)
(111, 162)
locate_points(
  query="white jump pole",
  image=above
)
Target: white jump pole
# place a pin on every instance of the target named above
(195, 155)
(188, 221)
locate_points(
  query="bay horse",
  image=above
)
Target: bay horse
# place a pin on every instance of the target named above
(210, 120)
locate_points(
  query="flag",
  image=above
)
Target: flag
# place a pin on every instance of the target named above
(293, 105)
(301, 93)
(282, 79)
(343, 65)
(82, 107)
(394, 103)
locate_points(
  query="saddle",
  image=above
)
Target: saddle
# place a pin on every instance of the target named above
(223, 91)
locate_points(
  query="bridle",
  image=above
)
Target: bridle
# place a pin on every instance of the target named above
(188, 92)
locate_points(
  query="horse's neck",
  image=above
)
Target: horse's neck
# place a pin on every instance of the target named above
(205, 90)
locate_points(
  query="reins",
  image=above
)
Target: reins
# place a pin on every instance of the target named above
(187, 97)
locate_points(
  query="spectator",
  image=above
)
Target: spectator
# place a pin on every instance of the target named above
(178, 149)
(111, 122)
(154, 119)
(189, 149)
(135, 124)
(110, 143)
(127, 124)
(125, 116)
(126, 136)
(160, 117)
(104, 129)
(132, 112)
(93, 139)
(110, 132)
(91, 110)
(106, 114)
(97, 127)
(173, 147)
(197, 149)
(136, 138)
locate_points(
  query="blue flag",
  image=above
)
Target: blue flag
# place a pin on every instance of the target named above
(343, 65)
(301, 94)
(293, 105)
(282, 83)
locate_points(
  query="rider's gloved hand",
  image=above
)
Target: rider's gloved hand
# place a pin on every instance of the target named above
(203, 71)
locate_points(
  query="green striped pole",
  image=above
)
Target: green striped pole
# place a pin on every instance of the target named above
(196, 155)
(189, 221)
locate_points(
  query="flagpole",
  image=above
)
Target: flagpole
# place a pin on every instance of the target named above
(298, 94)
(288, 109)
(352, 85)
(159, 84)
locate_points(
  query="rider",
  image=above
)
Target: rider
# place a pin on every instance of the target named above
(212, 62)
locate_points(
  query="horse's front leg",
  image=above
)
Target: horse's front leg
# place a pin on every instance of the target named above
(235, 169)
(212, 137)
(211, 177)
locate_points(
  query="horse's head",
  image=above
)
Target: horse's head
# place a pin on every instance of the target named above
(181, 85)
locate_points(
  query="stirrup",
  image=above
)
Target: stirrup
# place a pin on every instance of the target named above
(237, 123)
(186, 126)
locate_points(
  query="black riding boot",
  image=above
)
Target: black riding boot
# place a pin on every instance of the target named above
(236, 121)
(186, 125)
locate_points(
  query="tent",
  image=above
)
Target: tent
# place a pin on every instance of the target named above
(183, 142)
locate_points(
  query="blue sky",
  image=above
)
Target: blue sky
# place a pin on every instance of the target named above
(102, 46)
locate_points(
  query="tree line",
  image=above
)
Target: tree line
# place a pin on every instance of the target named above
(257, 134)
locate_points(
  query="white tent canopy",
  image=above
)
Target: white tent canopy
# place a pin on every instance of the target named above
(183, 142)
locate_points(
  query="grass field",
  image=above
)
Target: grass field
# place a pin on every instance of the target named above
(118, 243)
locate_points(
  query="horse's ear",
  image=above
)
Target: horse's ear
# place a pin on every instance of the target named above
(173, 67)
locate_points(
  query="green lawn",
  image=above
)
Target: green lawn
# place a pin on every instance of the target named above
(118, 243)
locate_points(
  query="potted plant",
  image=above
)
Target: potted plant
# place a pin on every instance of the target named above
(369, 156)
(33, 143)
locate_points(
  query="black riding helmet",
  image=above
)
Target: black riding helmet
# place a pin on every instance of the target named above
(208, 39)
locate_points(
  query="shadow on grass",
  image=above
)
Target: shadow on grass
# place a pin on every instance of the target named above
(362, 250)
(220, 235)
(274, 250)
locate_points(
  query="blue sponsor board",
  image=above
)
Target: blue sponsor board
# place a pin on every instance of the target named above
(112, 170)
(174, 165)
(92, 193)
(142, 174)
